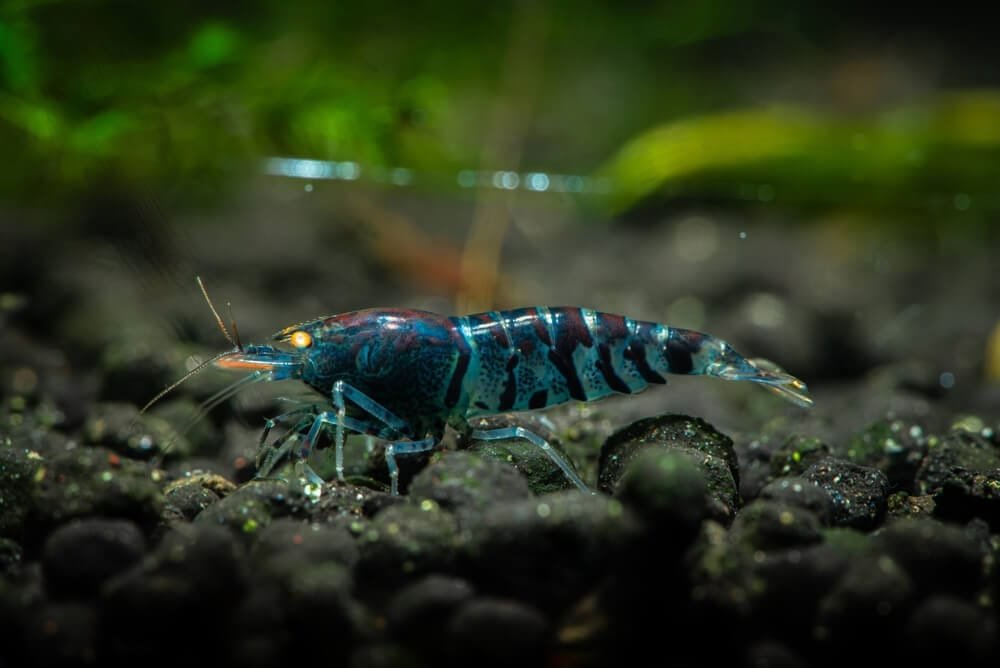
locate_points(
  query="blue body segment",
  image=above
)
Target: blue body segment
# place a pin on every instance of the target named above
(536, 357)
(404, 359)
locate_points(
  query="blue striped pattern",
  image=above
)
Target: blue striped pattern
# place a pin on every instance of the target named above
(542, 356)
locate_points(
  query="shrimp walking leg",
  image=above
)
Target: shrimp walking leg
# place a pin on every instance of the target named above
(380, 421)
(269, 456)
(520, 432)
(400, 448)
(286, 417)
(391, 449)
(341, 393)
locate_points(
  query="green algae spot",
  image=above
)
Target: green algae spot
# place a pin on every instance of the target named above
(429, 506)
(615, 508)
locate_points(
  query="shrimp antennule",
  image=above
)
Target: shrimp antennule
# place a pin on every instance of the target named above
(237, 347)
(162, 393)
(220, 396)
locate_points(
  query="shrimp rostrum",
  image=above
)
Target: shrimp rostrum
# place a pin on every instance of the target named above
(403, 375)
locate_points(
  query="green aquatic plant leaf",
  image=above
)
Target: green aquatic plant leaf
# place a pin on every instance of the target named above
(906, 158)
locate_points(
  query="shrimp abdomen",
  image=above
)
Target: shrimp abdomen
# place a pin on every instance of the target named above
(540, 356)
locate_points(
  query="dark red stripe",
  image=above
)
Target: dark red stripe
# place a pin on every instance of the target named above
(678, 355)
(510, 388)
(571, 331)
(569, 373)
(612, 326)
(636, 352)
(464, 348)
(538, 399)
(541, 331)
(457, 376)
(496, 328)
(608, 371)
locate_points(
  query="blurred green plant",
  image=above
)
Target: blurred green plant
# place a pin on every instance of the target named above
(940, 157)
(188, 97)
(197, 92)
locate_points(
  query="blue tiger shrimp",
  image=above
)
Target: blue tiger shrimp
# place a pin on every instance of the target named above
(403, 375)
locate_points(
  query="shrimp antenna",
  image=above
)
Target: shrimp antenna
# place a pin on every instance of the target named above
(236, 330)
(218, 319)
(236, 343)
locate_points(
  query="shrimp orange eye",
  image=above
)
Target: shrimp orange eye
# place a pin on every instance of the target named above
(301, 339)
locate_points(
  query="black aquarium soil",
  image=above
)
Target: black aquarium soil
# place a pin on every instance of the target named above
(727, 525)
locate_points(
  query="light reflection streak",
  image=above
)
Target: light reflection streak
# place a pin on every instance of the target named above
(319, 170)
